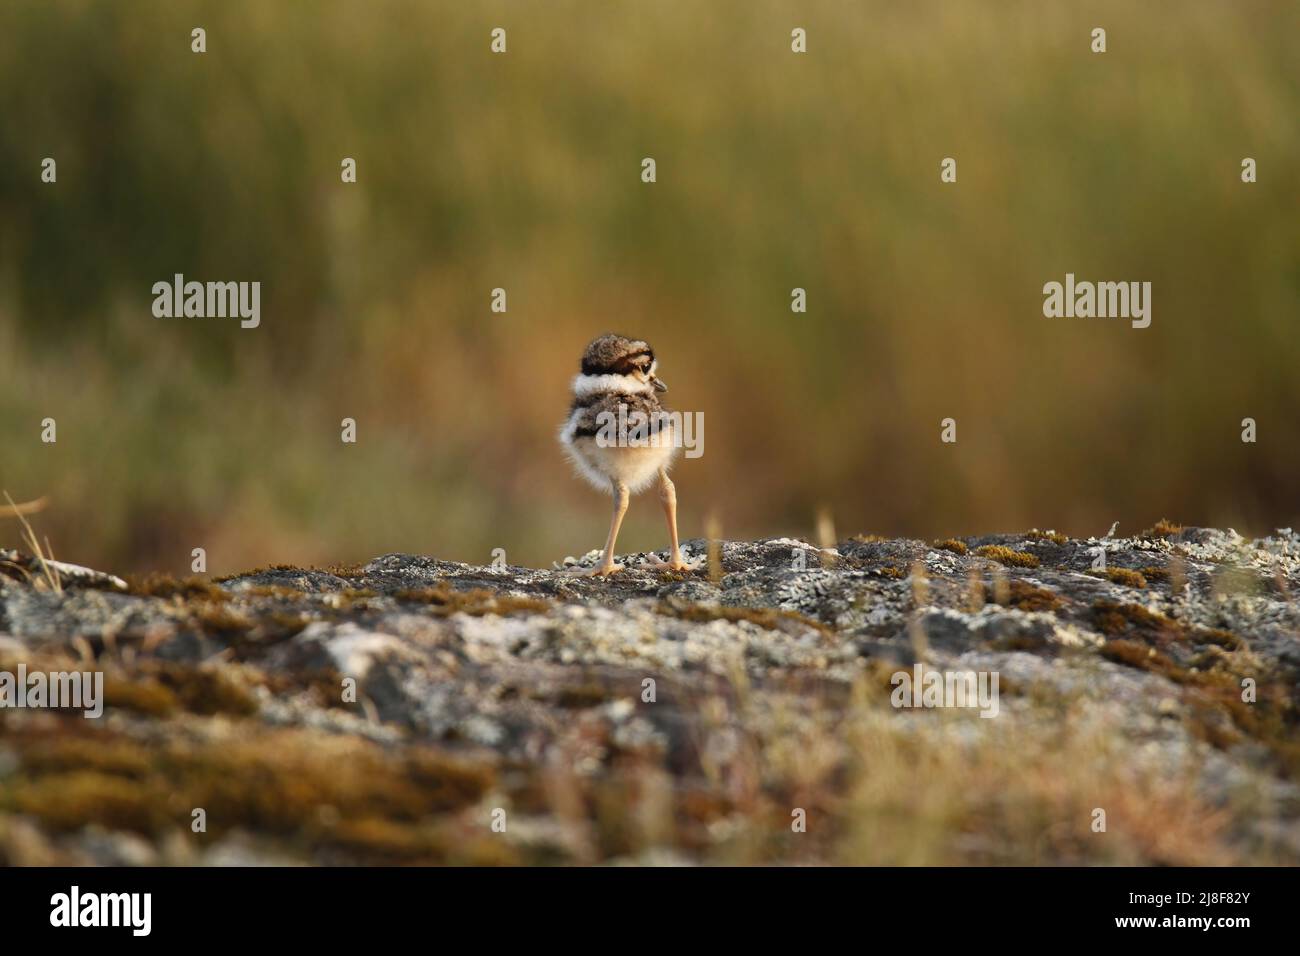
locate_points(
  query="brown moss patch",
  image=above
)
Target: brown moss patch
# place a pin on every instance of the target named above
(581, 696)
(255, 571)
(217, 619)
(140, 696)
(379, 839)
(1027, 597)
(444, 600)
(159, 689)
(283, 782)
(1137, 654)
(953, 545)
(1125, 576)
(346, 570)
(86, 753)
(271, 591)
(1213, 686)
(65, 802)
(204, 690)
(167, 586)
(1164, 528)
(1115, 619)
(771, 619)
(1219, 638)
(1053, 536)
(1007, 556)
(386, 842)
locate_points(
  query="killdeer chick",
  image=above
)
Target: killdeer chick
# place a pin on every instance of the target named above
(618, 437)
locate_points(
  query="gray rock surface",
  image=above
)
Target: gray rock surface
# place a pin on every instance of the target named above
(417, 710)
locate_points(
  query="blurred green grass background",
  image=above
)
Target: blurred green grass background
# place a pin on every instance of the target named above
(522, 171)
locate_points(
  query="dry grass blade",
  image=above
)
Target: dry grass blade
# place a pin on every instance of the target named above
(26, 508)
(30, 540)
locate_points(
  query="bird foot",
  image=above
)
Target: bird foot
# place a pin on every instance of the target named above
(602, 570)
(674, 563)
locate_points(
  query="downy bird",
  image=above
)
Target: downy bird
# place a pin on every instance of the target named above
(620, 437)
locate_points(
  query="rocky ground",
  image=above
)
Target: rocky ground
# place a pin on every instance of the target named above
(412, 710)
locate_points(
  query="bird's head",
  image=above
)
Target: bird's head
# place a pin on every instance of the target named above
(617, 363)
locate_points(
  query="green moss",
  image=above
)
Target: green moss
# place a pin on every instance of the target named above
(1006, 556)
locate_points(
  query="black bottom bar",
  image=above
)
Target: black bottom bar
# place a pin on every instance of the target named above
(335, 906)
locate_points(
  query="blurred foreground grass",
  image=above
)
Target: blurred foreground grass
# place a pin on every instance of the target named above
(875, 789)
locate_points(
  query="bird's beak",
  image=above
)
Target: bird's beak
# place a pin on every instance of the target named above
(659, 386)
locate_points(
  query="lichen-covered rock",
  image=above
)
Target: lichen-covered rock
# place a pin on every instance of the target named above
(418, 710)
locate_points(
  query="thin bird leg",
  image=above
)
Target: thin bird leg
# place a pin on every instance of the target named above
(668, 497)
(607, 565)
